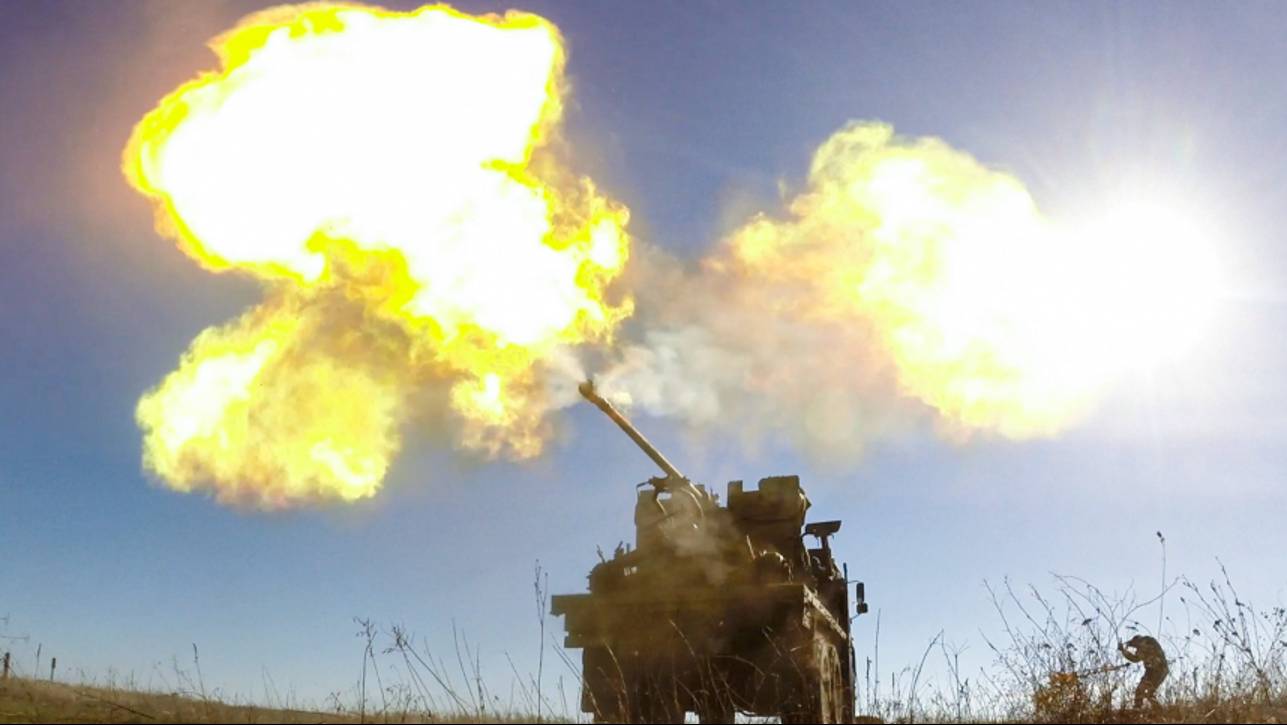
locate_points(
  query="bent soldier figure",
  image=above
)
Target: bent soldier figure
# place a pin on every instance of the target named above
(1146, 650)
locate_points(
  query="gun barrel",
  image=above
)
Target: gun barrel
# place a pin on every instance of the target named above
(590, 394)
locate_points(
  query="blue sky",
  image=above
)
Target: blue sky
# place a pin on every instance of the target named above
(692, 114)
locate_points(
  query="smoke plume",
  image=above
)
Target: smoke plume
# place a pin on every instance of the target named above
(905, 282)
(393, 180)
(396, 182)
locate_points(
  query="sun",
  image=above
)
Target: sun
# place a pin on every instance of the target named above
(1155, 281)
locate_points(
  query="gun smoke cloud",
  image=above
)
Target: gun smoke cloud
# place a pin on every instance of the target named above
(906, 280)
(397, 183)
(399, 167)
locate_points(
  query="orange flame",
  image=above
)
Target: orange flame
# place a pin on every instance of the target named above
(400, 162)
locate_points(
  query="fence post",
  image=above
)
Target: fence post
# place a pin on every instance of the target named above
(6, 666)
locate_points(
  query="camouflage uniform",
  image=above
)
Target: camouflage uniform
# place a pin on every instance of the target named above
(1148, 651)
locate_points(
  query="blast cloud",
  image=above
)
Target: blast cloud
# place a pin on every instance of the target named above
(405, 165)
(905, 283)
(430, 243)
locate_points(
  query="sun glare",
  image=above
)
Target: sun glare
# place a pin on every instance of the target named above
(1157, 278)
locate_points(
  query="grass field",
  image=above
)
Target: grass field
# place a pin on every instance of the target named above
(33, 701)
(1056, 660)
(23, 700)
(29, 701)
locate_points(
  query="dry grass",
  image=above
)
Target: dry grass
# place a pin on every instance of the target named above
(23, 700)
(1051, 664)
(1057, 660)
(427, 690)
(33, 701)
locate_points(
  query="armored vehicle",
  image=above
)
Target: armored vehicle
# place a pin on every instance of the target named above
(716, 609)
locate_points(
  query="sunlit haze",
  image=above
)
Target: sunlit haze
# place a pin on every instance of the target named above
(295, 302)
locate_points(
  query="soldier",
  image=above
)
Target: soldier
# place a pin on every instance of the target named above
(1146, 650)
